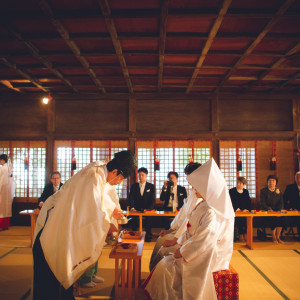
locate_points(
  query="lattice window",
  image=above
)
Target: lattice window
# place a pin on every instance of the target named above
(100, 154)
(249, 169)
(146, 160)
(229, 150)
(83, 158)
(20, 174)
(37, 164)
(86, 152)
(29, 183)
(5, 150)
(228, 165)
(64, 159)
(122, 189)
(171, 158)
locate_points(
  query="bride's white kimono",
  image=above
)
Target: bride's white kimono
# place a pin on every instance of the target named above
(76, 227)
(206, 246)
(178, 226)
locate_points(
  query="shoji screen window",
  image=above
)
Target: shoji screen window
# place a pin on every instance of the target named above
(229, 152)
(173, 156)
(86, 152)
(29, 181)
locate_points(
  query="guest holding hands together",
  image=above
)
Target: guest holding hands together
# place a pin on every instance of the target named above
(240, 199)
(271, 199)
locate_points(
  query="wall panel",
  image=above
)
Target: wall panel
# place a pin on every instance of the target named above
(22, 117)
(167, 116)
(255, 115)
(90, 116)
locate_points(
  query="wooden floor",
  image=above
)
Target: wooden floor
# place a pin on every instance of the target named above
(269, 272)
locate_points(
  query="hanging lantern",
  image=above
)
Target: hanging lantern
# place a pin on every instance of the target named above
(73, 165)
(191, 160)
(26, 163)
(239, 164)
(273, 163)
(156, 164)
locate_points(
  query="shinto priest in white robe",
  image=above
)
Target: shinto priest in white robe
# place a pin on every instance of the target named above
(206, 246)
(6, 191)
(78, 219)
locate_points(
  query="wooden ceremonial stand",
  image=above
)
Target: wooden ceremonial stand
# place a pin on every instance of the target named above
(133, 263)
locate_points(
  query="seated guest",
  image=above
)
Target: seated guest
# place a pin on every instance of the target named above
(50, 188)
(291, 198)
(142, 196)
(205, 247)
(173, 195)
(167, 241)
(271, 199)
(240, 199)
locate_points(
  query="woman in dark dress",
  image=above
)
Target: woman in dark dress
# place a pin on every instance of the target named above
(240, 201)
(271, 199)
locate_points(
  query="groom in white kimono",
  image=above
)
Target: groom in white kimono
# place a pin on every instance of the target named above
(73, 224)
(206, 246)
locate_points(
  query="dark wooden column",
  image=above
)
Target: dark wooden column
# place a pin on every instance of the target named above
(50, 139)
(214, 112)
(132, 130)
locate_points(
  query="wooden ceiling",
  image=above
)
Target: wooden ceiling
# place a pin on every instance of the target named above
(149, 46)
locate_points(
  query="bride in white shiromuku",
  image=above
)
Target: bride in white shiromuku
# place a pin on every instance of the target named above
(205, 247)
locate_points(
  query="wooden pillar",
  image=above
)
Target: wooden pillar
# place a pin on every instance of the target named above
(132, 130)
(50, 139)
(214, 109)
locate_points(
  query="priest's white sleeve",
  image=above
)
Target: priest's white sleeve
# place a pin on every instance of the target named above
(179, 219)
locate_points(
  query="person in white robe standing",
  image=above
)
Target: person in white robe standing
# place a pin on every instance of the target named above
(73, 224)
(166, 243)
(6, 192)
(206, 247)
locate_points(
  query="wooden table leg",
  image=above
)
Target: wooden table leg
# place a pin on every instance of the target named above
(250, 232)
(116, 278)
(123, 278)
(141, 223)
(129, 278)
(136, 278)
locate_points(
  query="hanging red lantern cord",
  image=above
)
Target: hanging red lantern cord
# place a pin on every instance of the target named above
(273, 161)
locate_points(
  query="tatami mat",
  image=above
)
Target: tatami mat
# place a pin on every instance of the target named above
(282, 267)
(264, 274)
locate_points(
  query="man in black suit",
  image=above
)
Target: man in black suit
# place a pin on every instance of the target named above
(173, 195)
(291, 198)
(142, 196)
(50, 188)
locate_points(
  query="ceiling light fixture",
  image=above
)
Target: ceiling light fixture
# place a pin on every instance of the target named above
(46, 100)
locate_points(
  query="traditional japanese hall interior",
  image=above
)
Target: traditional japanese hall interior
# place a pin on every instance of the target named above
(175, 82)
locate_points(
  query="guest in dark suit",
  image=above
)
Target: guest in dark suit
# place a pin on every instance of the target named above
(173, 195)
(142, 196)
(50, 188)
(240, 199)
(291, 198)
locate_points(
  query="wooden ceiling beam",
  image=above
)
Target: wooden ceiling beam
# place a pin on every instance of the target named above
(46, 8)
(162, 40)
(291, 51)
(169, 35)
(24, 74)
(137, 13)
(259, 38)
(212, 34)
(106, 12)
(36, 53)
